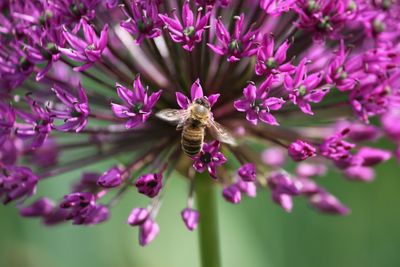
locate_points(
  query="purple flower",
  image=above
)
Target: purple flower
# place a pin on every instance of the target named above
(46, 54)
(300, 150)
(40, 208)
(72, 11)
(308, 187)
(97, 214)
(232, 194)
(144, 22)
(222, 3)
(47, 155)
(360, 173)
(87, 183)
(237, 45)
(88, 50)
(78, 200)
(190, 31)
(325, 202)
(341, 71)
(110, 4)
(322, 18)
(38, 125)
(83, 208)
(282, 183)
(283, 188)
(274, 156)
(148, 231)
(247, 172)
(137, 106)
(372, 156)
(248, 188)
(138, 216)
(57, 216)
(15, 66)
(361, 132)
(111, 178)
(209, 159)
(17, 183)
(302, 88)
(7, 120)
(370, 100)
(306, 170)
(191, 218)
(276, 7)
(148, 228)
(338, 150)
(149, 184)
(390, 122)
(76, 110)
(9, 152)
(270, 61)
(257, 104)
(283, 200)
(196, 92)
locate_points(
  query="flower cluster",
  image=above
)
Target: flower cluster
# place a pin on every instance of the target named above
(315, 82)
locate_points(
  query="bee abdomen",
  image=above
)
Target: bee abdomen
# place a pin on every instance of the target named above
(192, 140)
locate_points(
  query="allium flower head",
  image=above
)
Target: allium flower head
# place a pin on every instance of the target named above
(270, 95)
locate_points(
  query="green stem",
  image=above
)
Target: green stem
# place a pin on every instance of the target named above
(208, 224)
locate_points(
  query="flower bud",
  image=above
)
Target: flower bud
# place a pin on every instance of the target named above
(147, 232)
(360, 173)
(111, 178)
(41, 207)
(138, 216)
(301, 150)
(249, 188)
(232, 194)
(247, 172)
(325, 202)
(191, 218)
(274, 157)
(149, 184)
(373, 156)
(283, 200)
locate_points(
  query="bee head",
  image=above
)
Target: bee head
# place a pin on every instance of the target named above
(203, 102)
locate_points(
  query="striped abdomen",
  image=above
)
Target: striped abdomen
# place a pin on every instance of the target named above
(192, 140)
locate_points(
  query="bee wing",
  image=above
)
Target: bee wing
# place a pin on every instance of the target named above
(174, 116)
(221, 133)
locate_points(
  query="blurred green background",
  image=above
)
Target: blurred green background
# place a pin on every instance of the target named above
(254, 233)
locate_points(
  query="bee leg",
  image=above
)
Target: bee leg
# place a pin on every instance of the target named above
(179, 127)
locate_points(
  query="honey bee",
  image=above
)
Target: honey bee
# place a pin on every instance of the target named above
(193, 122)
